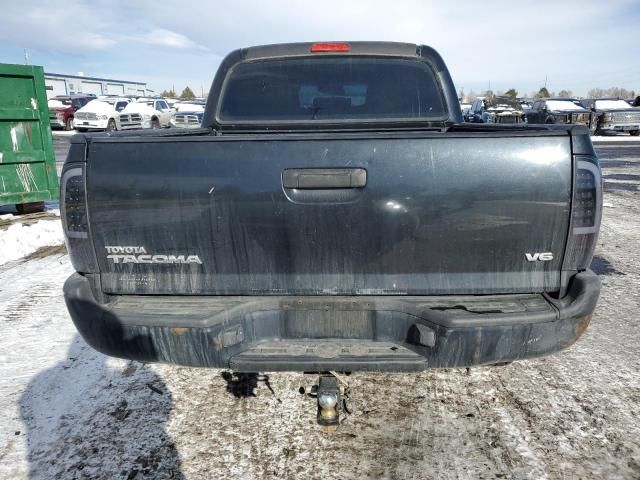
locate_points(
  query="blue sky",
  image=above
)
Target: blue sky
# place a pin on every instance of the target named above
(576, 45)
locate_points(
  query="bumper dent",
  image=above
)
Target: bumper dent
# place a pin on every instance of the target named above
(332, 333)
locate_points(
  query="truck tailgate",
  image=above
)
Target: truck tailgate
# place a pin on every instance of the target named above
(378, 214)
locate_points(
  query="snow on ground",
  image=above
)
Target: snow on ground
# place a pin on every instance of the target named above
(70, 412)
(31, 343)
(19, 240)
(57, 395)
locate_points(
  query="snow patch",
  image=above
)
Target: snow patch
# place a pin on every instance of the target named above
(53, 103)
(612, 105)
(614, 138)
(189, 107)
(564, 105)
(98, 107)
(20, 240)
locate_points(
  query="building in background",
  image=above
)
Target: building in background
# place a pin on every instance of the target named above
(59, 84)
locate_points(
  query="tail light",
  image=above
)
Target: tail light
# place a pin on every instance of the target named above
(330, 47)
(74, 216)
(586, 212)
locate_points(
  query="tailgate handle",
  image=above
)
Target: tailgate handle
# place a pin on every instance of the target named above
(319, 178)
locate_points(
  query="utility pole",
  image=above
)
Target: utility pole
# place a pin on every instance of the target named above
(545, 81)
(26, 56)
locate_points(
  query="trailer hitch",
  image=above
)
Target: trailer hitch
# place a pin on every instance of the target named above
(333, 399)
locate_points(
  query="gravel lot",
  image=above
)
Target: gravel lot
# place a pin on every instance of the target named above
(70, 412)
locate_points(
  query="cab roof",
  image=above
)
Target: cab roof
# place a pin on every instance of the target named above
(354, 48)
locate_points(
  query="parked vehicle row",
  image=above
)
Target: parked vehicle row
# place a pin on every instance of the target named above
(87, 112)
(599, 115)
(495, 110)
(550, 111)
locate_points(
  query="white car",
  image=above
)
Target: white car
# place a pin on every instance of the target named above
(154, 112)
(104, 114)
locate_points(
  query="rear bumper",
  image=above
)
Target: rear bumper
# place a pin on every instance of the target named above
(130, 126)
(94, 124)
(619, 127)
(56, 122)
(376, 333)
(186, 125)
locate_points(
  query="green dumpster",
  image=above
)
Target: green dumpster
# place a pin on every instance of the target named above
(28, 173)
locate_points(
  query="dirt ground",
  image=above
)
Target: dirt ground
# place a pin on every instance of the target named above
(70, 412)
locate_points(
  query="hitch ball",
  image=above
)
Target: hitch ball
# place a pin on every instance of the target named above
(328, 396)
(327, 403)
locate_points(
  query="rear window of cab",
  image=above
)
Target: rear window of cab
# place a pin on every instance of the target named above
(329, 89)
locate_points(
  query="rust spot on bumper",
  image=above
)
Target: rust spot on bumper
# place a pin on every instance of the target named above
(582, 326)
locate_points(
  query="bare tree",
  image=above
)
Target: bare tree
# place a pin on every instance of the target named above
(489, 94)
(615, 92)
(596, 93)
(565, 93)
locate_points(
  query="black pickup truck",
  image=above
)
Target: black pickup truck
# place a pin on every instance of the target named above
(332, 213)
